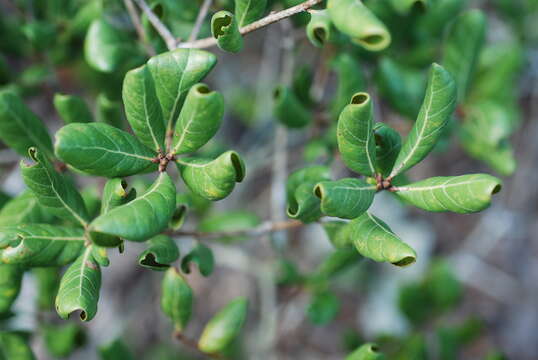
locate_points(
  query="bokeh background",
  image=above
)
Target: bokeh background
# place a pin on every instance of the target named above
(483, 267)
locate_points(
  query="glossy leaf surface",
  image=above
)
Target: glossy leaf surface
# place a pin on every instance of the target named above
(116, 193)
(160, 253)
(225, 29)
(176, 298)
(345, 198)
(388, 144)
(101, 149)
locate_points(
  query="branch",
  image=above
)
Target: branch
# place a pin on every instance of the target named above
(268, 20)
(135, 19)
(199, 20)
(158, 25)
(263, 228)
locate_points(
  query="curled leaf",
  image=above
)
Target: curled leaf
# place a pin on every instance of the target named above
(303, 204)
(115, 193)
(72, 108)
(375, 240)
(345, 198)
(225, 29)
(354, 19)
(79, 288)
(461, 194)
(319, 29)
(351, 80)
(176, 298)
(213, 179)
(152, 211)
(289, 110)
(224, 327)
(160, 253)
(202, 256)
(355, 135)
(199, 120)
(368, 351)
(101, 149)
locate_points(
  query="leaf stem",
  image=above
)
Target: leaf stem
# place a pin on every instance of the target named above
(158, 25)
(268, 20)
(263, 228)
(200, 19)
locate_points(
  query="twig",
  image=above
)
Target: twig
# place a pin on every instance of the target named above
(263, 228)
(158, 25)
(200, 19)
(268, 20)
(135, 19)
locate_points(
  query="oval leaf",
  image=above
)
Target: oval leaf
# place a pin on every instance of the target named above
(434, 114)
(143, 109)
(52, 190)
(374, 239)
(174, 72)
(355, 135)
(461, 194)
(10, 285)
(161, 252)
(79, 288)
(224, 28)
(143, 217)
(40, 245)
(14, 345)
(176, 298)
(213, 179)
(101, 149)
(199, 119)
(354, 19)
(224, 327)
(345, 198)
(72, 109)
(20, 128)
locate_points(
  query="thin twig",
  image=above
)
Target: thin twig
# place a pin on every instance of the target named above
(158, 25)
(135, 19)
(200, 19)
(263, 228)
(268, 20)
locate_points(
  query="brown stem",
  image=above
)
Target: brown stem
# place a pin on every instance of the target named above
(193, 345)
(200, 19)
(263, 228)
(263, 22)
(158, 25)
(138, 26)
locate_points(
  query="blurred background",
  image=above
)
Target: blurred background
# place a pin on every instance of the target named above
(472, 293)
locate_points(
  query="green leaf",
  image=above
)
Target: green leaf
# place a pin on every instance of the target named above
(289, 110)
(62, 340)
(319, 29)
(337, 233)
(79, 288)
(101, 149)
(388, 144)
(53, 191)
(212, 179)
(302, 84)
(303, 204)
(14, 346)
(337, 261)
(462, 48)
(143, 109)
(224, 327)
(182, 206)
(23, 209)
(176, 298)
(115, 350)
(107, 48)
(432, 23)
(375, 240)
(160, 253)
(345, 198)
(199, 119)
(323, 308)
(115, 193)
(10, 285)
(20, 128)
(48, 281)
(143, 217)
(355, 135)
(404, 7)
(351, 80)
(434, 115)
(354, 19)
(40, 244)
(202, 256)
(225, 29)
(72, 108)
(248, 11)
(402, 86)
(174, 73)
(108, 111)
(461, 194)
(229, 221)
(368, 351)
(499, 157)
